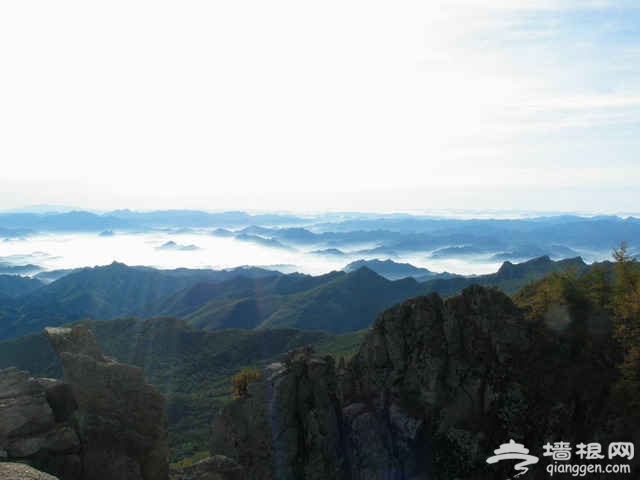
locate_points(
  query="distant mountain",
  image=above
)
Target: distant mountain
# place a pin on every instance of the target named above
(222, 232)
(462, 251)
(245, 298)
(75, 221)
(527, 252)
(102, 293)
(329, 252)
(299, 237)
(345, 303)
(549, 235)
(509, 278)
(171, 245)
(265, 242)
(49, 276)
(395, 271)
(200, 219)
(22, 223)
(190, 299)
(15, 286)
(11, 269)
(371, 234)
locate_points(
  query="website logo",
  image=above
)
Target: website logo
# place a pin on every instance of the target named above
(514, 451)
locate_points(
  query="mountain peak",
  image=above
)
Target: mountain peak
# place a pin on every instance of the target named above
(507, 266)
(116, 264)
(364, 272)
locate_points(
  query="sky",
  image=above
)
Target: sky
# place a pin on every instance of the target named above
(334, 105)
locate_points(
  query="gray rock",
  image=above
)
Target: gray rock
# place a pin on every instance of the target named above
(59, 397)
(18, 471)
(74, 341)
(23, 406)
(435, 387)
(121, 419)
(29, 429)
(103, 422)
(288, 426)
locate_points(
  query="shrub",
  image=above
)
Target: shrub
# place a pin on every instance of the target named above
(241, 380)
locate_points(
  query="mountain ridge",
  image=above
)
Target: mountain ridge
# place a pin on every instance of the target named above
(244, 297)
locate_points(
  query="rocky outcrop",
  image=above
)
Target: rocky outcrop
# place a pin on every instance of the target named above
(288, 426)
(101, 423)
(19, 471)
(435, 387)
(120, 417)
(35, 426)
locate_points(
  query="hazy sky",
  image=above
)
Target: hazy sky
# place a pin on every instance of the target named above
(369, 105)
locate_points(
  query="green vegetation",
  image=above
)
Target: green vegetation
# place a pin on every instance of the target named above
(625, 303)
(107, 292)
(241, 380)
(596, 307)
(509, 278)
(188, 461)
(246, 298)
(192, 367)
(15, 285)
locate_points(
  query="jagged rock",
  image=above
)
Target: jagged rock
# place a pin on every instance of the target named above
(29, 428)
(59, 397)
(288, 426)
(19, 471)
(435, 387)
(121, 418)
(103, 422)
(23, 406)
(77, 340)
(244, 433)
(217, 467)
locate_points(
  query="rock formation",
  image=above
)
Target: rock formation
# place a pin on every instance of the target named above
(103, 422)
(19, 471)
(120, 417)
(34, 423)
(288, 425)
(435, 387)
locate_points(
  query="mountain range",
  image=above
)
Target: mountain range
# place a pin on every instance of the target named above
(248, 298)
(395, 270)
(558, 328)
(355, 234)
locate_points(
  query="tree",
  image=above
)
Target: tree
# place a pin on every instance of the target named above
(626, 290)
(241, 380)
(597, 282)
(626, 308)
